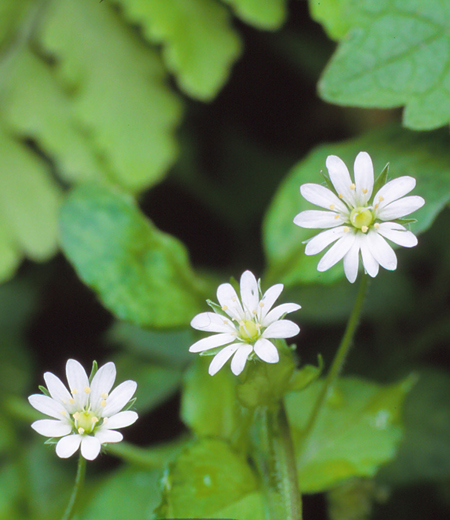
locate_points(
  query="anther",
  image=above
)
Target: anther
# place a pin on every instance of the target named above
(340, 196)
(364, 229)
(224, 307)
(254, 313)
(336, 217)
(63, 412)
(352, 186)
(376, 225)
(380, 198)
(346, 229)
(103, 403)
(105, 395)
(80, 430)
(76, 416)
(94, 420)
(74, 391)
(364, 190)
(87, 389)
(233, 299)
(332, 206)
(71, 400)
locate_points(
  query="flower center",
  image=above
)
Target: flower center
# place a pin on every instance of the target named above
(85, 421)
(361, 218)
(248, 330)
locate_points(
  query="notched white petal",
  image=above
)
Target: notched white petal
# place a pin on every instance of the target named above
(221, 358)
(398, 234)
(340, 177)
(279, 311)
(266, 351)
(281, 329)
(364, 178)
(351, 262)
(51, 428)
(122, 419)
(381, 251)
(336, 252)
(211, 342)
(68, 445)
(323, 240)
(400, 208)
(240, 358)
(119, 397)
(90, 447)
(212, 322)
(249, 291)
(315, 219)
(321, 196)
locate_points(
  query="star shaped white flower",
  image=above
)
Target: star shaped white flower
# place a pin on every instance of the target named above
(88, 414)
(357, 221)
(245, 326)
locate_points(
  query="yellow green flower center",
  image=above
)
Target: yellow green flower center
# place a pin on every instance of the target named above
(85, 422)
(361, 218)
(248, 330)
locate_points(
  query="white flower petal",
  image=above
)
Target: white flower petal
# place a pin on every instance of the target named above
(269, 298)
(249, 293)
(266, 351)
(51, 428)
(47, 405)
(106, 436)
(340, 177)
(279, 311)
(78, 381)
(122, 419)
(222, 357)
(336, 252)
(68, 445)
(211, 342)
(119, 397)
(240, 358)
(281, 329)
(394, 190)
(212, 322)
(351, 262)
(381, 251)
(312, 219)
(400, 208)
(323, 240)
(363, 177)
(229, 301)
(56, 388)
(397, 234)
(323, 197)
(102, 383)
(371, 266)
(90, 447)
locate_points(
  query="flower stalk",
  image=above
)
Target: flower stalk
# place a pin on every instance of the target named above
(76, 492)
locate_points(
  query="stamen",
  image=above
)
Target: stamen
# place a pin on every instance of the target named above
(332, 206)
(340, 195)
(376, 206)
(76, 416)
(346, 229)
(224, 307)
(105, 420)
(233, 299)
(80, 430)
(94, 420)
(352, 186)
(103, 403)
(336, 217)
(63, 412)
(364, 229)
(87, 389)
(254, 313)
(261, 304)
(364, 190)
(376, 225)
(105, 395)
(71, 400)
(74, 391)
(380, 198)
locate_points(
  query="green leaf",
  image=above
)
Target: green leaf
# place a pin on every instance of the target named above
(199, 45)
(426, 157)
(128, 493)
(117, 89)
(11, 14)
(334, 15)
(424, 454)
(29, 204)
(209, 480)
(141, 274)
(358, 430)
(395, 54)
(270, 14)
(209, 406)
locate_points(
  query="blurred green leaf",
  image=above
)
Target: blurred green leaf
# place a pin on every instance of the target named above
(128, 493)
(117, 89)
(424, 454)
(209, 480)
(10, 497)
(209, 406)
(141, 274)
(334, 15)
(270, 14)
(169, 348)
(395, 54)
(358, 430)
(11, 14)
(29, 203)
(199, 45)
(426, 157)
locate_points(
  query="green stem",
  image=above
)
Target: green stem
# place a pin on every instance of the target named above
(275, 459)
(79, 481)
(341, 354)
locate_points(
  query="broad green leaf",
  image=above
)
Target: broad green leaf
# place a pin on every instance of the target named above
(11, 14)
(426, 157)
(397, 53)
(209, 406)
(128, 493)
(169, 348)
(424, 454)
(265, 15)
(29, 202)
(334, 15)
(141, 274)
(208, 479)
(117, 87)
(358, 430)
(35, 106)
(199, 44)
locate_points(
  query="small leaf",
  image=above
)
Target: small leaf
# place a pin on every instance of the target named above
(269, 14)
(357, 431)
(302, 378)
(141, 274)
(199, 44)
(207, 479)
(334, 15)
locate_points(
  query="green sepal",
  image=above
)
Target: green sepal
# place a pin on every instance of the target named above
(328, 182)
(44, 390)
(405, 221)
(381, 179)
(235, 284)
(52, 440)
(93, 371)
(130, 404)
(217, 308)
(264, 384)
(302, 378)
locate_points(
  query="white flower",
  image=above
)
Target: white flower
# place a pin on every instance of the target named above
(88, 414)
(356, 220)
(244, 325)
